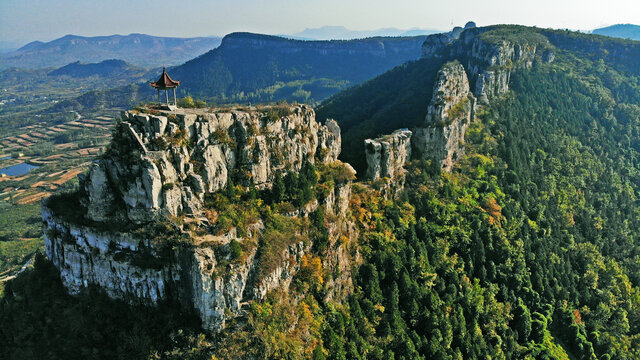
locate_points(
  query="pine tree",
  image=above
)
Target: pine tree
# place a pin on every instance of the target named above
(278, 189)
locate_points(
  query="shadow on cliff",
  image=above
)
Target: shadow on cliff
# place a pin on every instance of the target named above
(40, 321)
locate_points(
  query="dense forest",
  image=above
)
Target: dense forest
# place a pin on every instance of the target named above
(528, 249)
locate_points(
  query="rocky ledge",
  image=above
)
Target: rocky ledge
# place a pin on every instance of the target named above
(163, 163)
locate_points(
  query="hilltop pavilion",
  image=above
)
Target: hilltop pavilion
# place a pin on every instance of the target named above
(165, 83)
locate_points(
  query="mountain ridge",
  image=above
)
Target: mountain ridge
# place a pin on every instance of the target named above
(623, 31)
(105, 68)
(289, 69)
(139, 49)
(339, 32)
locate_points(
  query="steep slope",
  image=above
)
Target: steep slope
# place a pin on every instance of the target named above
(396, 99)
(139, 49)
(253, 67)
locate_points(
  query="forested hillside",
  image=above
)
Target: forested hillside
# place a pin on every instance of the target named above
(262, 68)
(528, 249)
(111, 69)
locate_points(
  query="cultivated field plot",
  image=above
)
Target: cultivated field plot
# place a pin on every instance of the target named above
(54, 155)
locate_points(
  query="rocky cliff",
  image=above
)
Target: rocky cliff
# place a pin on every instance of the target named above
(489, 57)
(164, 164)
(439, 139)
(387, 155)
(451, 110)
(143, 239)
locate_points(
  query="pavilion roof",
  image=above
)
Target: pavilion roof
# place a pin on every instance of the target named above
(165, 81)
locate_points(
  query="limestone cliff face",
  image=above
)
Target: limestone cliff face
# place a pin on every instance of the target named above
(449, 114)
(199, 275)
(134, 269)
(435, 45)
(165, 163)
(387, 155)
(492, 63)
(441, 137)
(488, 61)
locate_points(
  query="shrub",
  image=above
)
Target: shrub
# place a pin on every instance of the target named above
(179, 138)
(458, 110)
(235, 249)
(186, 102)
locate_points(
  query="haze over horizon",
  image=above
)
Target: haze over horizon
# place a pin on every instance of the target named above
(30, 20)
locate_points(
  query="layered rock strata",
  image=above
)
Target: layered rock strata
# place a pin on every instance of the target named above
(488, 61)
(440, 139)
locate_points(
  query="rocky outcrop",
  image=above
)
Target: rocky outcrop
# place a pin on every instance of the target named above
(548, 56)
(449, 114)
(488, 58)
(387, 155)
(434, 45)
(163, 164)
(492, 64)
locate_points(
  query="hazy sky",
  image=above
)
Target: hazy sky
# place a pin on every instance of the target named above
(28, 20)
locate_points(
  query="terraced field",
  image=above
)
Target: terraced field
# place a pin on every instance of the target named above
(56, 169)
(58, 164)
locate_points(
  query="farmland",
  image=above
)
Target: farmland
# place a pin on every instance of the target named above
(58, 152)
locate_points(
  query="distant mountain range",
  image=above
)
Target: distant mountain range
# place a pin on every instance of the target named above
(624, 31)
(138, 49)
(342, 33)
(109, 68)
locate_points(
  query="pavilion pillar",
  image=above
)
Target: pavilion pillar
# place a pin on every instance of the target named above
(166, 94)
(175, 102)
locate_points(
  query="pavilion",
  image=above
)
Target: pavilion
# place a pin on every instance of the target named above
(165, 83)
